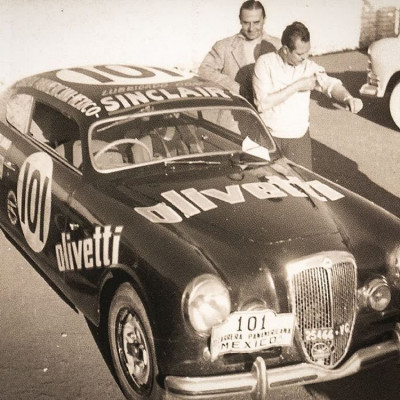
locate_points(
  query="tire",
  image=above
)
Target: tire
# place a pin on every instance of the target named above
(394, 104)
(132, 346)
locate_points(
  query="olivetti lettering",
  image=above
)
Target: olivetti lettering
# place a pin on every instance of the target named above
(100, 250)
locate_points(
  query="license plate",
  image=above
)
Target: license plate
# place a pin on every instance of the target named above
(312, 335)
(251, 331)
(321, 334)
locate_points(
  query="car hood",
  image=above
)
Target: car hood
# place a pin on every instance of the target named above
(261, 205)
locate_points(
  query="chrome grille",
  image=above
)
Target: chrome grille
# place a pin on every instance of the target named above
(323, 291)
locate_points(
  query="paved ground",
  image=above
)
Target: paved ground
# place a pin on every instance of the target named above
(359, 151)
(49, 352)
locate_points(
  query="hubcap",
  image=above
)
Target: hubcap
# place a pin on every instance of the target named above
(133, 349)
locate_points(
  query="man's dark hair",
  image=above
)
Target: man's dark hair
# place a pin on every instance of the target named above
(252, 5)
(294, 31)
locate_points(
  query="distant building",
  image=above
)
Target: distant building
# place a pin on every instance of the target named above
(379, 19)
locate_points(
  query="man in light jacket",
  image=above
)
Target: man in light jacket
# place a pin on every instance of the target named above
(231, 61)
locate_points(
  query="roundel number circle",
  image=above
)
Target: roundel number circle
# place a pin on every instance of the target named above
(34, 199)
(121, 75)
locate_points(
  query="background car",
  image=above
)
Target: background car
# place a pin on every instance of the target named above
(384, 74)
(160, 206)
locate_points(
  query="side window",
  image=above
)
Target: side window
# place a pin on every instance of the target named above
(18, 112)
(60, 132)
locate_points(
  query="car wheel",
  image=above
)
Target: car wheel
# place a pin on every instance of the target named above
(132, 346)
(394, 104)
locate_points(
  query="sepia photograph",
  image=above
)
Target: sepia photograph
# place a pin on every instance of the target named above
(200, 200)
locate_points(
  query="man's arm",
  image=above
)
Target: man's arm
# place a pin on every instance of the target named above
(211, 68)
(334, 88)
(342, 95)
(264, 94)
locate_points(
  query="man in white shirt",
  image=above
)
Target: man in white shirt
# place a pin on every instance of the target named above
(282, 83)
(231, 61)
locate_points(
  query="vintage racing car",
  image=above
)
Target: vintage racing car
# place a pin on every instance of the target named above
(160, 206)
(383, 76)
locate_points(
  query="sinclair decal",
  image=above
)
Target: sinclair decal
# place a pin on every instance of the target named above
(34, 199)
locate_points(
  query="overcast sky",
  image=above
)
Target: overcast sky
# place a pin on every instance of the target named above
(42, 34)
(37, 35)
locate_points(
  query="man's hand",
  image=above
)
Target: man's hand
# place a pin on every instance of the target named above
(308, 83)
(354, 104)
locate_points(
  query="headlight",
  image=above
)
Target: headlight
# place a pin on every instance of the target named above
(376, 294)
(206, 303)
(393, 262)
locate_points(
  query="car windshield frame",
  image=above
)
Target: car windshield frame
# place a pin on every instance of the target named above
(108, 124)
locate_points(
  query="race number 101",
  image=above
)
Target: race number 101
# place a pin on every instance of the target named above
(251, 323)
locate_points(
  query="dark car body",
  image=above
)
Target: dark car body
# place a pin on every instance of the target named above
(299, 276)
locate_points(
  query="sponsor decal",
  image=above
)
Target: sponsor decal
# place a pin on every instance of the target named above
(67, 95)
(34, 199)
(132, 88)
(4, 142)
(98, 251)
(131, 99)
(190, 202)
(249, 331)
(12, 207)
(121, 75)
(142, 87)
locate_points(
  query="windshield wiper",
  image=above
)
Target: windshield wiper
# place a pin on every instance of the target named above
(203, 162)
(236, 159)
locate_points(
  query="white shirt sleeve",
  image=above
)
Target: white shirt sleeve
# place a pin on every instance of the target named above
(325, 82)
(262, 83)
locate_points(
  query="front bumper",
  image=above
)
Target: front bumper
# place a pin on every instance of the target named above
(260, 380)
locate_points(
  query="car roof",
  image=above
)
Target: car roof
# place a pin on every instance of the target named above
(102, 91)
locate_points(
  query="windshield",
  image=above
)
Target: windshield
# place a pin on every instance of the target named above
(177, 135)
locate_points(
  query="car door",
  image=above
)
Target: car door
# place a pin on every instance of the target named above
(93, 241)
(36, 182)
